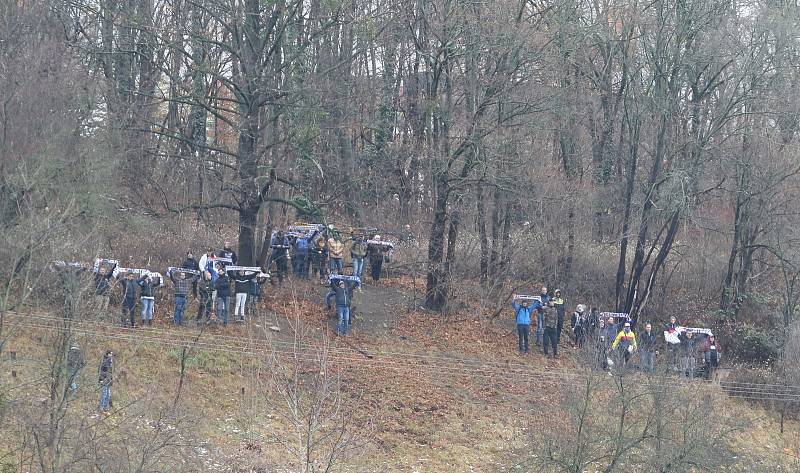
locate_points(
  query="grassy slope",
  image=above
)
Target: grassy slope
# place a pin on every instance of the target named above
(412, 415)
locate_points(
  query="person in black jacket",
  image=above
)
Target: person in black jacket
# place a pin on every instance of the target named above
(223, 287)
(227, 252)
(579, 324)
(205, 291)
(280, 248)
(129, 287)
(147, 298)
(648, 344)
(342, 293)
(243, 285)
(106, 379)
(102, 283)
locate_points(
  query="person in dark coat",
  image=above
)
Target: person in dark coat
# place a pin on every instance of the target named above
(102, 283)
(147, 298)
(106, 379)
(205, 293)
(375, 254)
(711, 356)
(227, 252)
(558, 303)
(129, 287)
(342, 293)
(280, 255)
(550, 323)
(223, 287)
(648, 344)
(181, 284)
(579, 325)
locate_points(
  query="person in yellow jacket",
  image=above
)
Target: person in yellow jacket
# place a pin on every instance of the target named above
(626, 343)
(336, 253)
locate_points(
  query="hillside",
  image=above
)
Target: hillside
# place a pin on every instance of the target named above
(408, 391)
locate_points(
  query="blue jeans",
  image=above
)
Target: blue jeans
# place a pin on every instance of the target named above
(358, 266)
(105, 397)
(180, 306)
(73, 384)
(343, 312)
(337, 265)
(147, 309)
(223, 307)
(539, 327)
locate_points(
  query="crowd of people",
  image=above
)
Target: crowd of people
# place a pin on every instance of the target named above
(611, 340)
(219, 284)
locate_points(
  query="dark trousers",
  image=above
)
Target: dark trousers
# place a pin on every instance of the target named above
(128, 311)
(204, 310)
(560, 326)
(524, 334)
(375, 265)
(551, 338)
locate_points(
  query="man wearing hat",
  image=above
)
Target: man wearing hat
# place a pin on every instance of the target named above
(626, 343)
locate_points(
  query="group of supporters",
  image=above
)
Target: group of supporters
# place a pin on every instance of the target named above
(217, 283)
(610, 339)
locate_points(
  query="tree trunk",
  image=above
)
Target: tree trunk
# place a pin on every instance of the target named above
(484, 258)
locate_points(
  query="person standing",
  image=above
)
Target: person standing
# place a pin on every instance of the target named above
(579, 325)
(342, 292)
(181, 285)
(207, 260)
(319, 257)
(191, 264)
(649, 342)
(375, 252)
(301, 257)
(540, 313)
(688, 349)
(558, 303)
(357, 254)
(106, 379)
(223, 287)
(102, 283)
(205, 290)
(280, 248)
(147, 297)
(128, 300)
(227, 252)
(242, 284)
(625, 342)
(673, 347)
(550, 324)
(711, 356)
(523, 311)
(75, 363)
(336, 252)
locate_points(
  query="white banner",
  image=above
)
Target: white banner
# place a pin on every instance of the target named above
(64, 264)
(381, 243)
(100, 261)
(250, 269)
(527, 298)
(118, 271)
(343, 277)
(173, 269)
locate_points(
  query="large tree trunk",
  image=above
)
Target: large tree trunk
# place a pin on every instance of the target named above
(484, 257)
(436, 286)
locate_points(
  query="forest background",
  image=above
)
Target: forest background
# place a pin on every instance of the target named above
(640, 155)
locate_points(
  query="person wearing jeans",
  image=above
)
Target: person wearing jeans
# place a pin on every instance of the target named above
(106, 379)
(147, 298)
(75, 362)
(648, 341)
(523, 315)
(357, 253)
(182, 285)
(342, 292)
(223, 288)
(336, 252)
(539, 307)
(243, 285)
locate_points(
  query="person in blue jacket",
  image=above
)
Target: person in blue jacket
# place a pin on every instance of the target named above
(523, 312)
